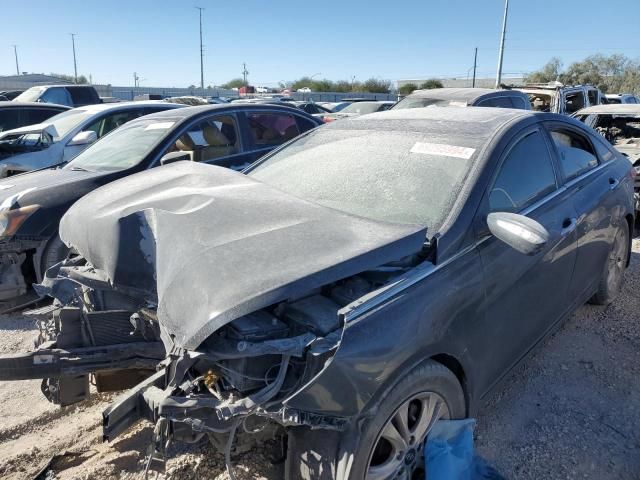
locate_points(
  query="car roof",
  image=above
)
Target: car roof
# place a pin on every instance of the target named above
(12, 104)
(612, 109)
(103, 107)
(188, 112)
(419, 118)
(460, 94)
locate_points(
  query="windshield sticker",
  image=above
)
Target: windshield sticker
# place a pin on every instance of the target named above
(159, 126)
(441, 149)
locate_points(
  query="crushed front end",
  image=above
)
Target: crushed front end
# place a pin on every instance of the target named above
(91, 332)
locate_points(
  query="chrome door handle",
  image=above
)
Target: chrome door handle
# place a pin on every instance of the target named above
(568, 226)
(613, 183)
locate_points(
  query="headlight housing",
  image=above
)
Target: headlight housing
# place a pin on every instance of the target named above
(10, 220)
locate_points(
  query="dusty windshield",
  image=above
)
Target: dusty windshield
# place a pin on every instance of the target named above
(30, 95)
(361, 108)
(123, 148)
(64, 122)
(394, 176)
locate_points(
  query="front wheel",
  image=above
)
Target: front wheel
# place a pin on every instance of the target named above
(613, 275)
(391, 443)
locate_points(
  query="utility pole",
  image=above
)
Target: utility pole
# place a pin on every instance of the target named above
(135, 79)
(201, 53)
(475, 63)
(245, 72)
(75, 64)
(501, 54)
(15, 52)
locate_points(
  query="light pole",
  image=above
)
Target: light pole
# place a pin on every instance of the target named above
(201, 53)
(75, 64)
(15, 52)
(501, 54)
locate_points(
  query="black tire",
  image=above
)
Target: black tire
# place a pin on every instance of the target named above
(315, 454)
(53, 253)
(612, 277)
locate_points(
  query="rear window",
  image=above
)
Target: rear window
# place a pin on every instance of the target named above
(83, 95)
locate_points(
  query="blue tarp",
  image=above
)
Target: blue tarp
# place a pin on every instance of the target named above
(449, 453)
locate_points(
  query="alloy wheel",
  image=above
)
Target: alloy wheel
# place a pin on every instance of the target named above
(398, 451)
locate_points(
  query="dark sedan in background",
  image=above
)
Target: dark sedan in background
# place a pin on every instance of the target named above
(465, 97)
(19, 114)
(31, 204)
(355, 286)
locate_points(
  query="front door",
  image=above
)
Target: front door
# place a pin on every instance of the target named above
(524, 295)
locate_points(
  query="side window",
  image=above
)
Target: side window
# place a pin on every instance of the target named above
(9, 119)
(604, 151)
(593, 97)
(106, 124)
(272, 128)
(213, 138)
(574, 101)
(575, 152)
(57, 95)
(39, 115)
(305, 124)
(525, 176)
(520, 103)
(501, 102)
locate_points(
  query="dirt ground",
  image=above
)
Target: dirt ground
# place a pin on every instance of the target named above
(571, 411)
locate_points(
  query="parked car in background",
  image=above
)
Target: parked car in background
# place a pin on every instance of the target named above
(563, 99)
(304, 90)
(349, 319)
(63, 136)
(464, 97)
(18, 114)
(8, 95)
(359, 108)
(31, 205)
(619, 124)
(70, 95)
(621, 98)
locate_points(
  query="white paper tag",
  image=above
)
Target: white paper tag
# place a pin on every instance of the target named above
(442, 149)
(159, 126)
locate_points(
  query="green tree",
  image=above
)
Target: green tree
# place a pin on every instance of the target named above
(431, 83)
(70, 78)
(375, 85)
(549, 73)
(234, 83)
(407, 88)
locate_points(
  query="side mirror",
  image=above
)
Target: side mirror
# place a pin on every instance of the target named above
(83, 138)
(172, 157)
(519, 232)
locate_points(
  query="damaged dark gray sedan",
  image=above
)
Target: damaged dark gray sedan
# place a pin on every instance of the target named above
(358, 284)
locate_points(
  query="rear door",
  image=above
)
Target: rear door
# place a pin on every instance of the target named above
(525, 295)
(266, 130)
(592, 187)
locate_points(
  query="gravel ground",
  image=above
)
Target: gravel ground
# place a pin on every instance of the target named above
(569, 412)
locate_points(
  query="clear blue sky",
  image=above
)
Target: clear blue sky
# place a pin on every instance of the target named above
(283, 40)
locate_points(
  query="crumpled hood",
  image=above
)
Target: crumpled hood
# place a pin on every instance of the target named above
(36, 128)
(210, 244)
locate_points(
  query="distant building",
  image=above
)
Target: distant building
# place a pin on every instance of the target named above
(466, 82)
(28, 80)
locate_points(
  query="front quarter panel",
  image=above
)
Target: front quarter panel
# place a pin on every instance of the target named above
(379, 347)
